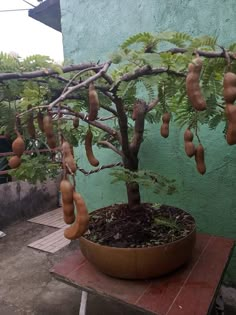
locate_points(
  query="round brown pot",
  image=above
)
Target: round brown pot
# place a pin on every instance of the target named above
(139, 263)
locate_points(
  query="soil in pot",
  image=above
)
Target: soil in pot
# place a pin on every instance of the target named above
(145, 226)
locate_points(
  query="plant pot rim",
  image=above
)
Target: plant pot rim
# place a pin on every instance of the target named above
(141, 248)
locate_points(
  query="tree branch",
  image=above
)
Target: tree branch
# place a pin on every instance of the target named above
(123, 123)
(94, 123)
(75, 76)
(109, 109)
(96, 170)
(112, 147)
(141, 110)
(152, 105)
(63, 96)
(206, 54)
(47, 72)
(147, 70)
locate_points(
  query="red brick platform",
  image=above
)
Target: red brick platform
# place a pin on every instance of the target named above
(189, 290)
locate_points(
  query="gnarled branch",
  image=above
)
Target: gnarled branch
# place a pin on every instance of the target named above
(141, 110)
(47, 72)
(112, 147)
(85, 83)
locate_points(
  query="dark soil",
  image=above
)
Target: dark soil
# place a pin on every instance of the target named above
(144, 226)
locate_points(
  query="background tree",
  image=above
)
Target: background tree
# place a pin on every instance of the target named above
(146, 82)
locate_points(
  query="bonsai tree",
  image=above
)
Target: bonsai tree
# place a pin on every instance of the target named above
(157, 78)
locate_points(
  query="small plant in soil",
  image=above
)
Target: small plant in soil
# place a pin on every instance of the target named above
(152, 78)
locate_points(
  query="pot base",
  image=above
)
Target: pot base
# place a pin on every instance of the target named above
(139, 263)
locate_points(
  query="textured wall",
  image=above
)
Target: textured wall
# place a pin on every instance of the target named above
(93, 29)
(20, 200)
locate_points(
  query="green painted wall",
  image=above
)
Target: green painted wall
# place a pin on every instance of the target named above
(93, 29)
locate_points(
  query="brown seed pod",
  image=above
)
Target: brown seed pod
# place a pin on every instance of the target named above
(199, 158)
(165, 126)
(68, 160)
(47, 125)
(40, 121)
(14, 162)
(81, 223)
(69, 219)
(93, 103)
(193, 85)
(67, 189)
(48, 129)
(89, 148)
(76, 122)
(230, 112)
(18, 146)
(30, 125)
(229, 87)
(188, 144)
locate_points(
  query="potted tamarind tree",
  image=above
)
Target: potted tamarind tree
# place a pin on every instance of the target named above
(191, 82)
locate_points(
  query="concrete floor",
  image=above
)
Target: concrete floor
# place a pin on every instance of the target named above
(27, 287)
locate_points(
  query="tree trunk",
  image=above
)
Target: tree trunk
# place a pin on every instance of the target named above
(132, 188)
(130, 150)
(133, 194)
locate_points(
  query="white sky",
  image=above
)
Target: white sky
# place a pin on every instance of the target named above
(26, 36)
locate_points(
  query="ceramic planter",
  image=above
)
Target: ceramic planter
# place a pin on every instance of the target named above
(139, 263)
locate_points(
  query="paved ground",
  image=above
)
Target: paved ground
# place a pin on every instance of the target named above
(26, 286)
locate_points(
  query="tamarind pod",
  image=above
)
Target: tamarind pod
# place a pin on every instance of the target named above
(89, 149)
(70, 164)
(165, 126)
(189, 147)
(69, 219)
(68, 213)
(47, 125)
(81, 223)
(229, 85)
(48, 129)
(93, 103)
(193, 85)
(69, 161)
(188, 135)
(67, 189)
(40, 121)
(18, 146)
(30, 125)
(68, 209)
(166, 118)
(76, 122)
(199, 158)
(66, 148)
(14, 162)
(230, 112)
(164, 130)
(51, 141)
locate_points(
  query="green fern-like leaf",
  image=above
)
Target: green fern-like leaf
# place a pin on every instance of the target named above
(147, 39)
(216, 120)
(176, 38)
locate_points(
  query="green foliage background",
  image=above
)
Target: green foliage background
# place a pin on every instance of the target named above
(140, 50)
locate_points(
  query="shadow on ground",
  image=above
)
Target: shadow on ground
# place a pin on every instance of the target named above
(27, 287)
